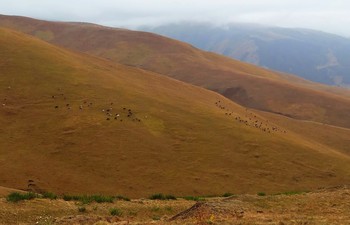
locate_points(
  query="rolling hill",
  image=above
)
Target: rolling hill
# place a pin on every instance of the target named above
(243, 83)
(313, 55)
(75, 123)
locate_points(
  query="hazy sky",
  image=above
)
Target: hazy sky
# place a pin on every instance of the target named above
(327, 15)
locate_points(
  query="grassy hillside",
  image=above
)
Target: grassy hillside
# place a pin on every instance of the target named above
(313, 55)
(61, 133)
(246, 84)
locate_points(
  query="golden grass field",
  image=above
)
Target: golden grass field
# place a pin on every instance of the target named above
(180, 139)
(246, 84)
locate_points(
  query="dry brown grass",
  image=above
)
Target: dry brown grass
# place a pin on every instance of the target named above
(184, 144)
(246, 84)
(325, 206)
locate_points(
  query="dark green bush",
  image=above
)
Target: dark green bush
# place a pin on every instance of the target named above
(120, 197)
(49, 195)
(115, 212)
(162, 197)
(16, 196)
(86, 199)
(227, 194)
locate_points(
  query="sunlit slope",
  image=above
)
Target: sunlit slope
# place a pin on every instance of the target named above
(60, 131)
(246, 84)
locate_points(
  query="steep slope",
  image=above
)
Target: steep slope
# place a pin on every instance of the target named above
(313, 55)
(61, 132)
(246, 84)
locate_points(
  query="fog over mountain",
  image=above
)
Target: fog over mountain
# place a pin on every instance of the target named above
(314, 55)
(329, 16)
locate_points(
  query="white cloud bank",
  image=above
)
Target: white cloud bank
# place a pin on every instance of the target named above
(330, 16)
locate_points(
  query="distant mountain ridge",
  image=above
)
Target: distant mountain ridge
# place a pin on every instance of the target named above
(313, 55)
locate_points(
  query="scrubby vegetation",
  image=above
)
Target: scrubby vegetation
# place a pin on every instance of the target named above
(82, 209)
(49, 195)
(16, 196)
(86, 199)
(162, 197)
(292, 193)
(115, 212)
(120, 197)
(194, 198)
(227, 194)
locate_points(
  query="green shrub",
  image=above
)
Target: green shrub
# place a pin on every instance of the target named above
(170, 197)
(70, 198)
(120, 197)
(193, 198)
(16, 196)
(115, 212)
(155, 217)
(49, 195)
(227, 194)
(155, 209)
(261, 194)
(101, 198)
(162, 197)
(82, 209)
(292, 193)
(86, 199)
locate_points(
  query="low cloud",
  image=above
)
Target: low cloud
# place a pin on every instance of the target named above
(331, 16)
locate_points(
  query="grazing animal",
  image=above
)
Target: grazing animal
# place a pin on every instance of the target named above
(56, 107)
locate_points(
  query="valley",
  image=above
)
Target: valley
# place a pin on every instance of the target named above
(88, 110)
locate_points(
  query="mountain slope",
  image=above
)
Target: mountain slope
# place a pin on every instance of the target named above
(246, 84)
(313, 55)
(57, 133)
